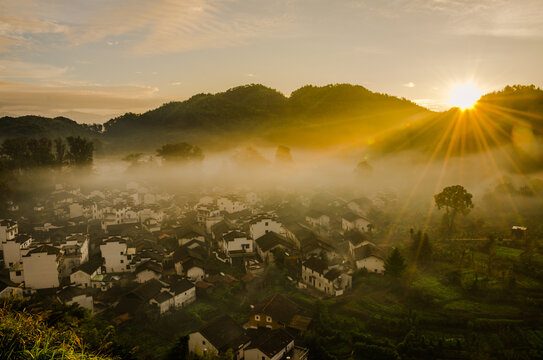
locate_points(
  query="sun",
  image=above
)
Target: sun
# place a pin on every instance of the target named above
(464, 96)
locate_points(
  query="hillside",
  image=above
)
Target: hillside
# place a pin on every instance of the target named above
(315, 117)
(311, 116)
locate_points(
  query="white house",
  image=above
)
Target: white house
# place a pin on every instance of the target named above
(83, 275)
(41, 267)
(230, 204)
(236, 242)
(262, 225)
(370, 257)
(8, 289)
(116, 254)
(8, 230)
(73, 295)
(318, 219)
(184, 293)
(333, 281)
(76, 252)
(351, 221)
(15, 248)
(217, 336)
(147, 271)
(271, 345)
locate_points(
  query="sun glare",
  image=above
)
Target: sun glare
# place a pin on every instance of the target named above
(464, 96)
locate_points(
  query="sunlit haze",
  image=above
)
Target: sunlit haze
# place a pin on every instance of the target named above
(464, 96)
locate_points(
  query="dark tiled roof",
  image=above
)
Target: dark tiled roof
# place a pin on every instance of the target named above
(50, 250)
(281, 309)
(147, 290)
(316, 264)
(162, 297)
(224, 333)
(272, 342)
(350, 216)
(149, 265)
(234, 235)
(92, 265)
(270, 240)
(368, 250)
(180, 286)
(332, 274)
(7, 222)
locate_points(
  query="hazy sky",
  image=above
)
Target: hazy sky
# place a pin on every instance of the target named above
(91, 59)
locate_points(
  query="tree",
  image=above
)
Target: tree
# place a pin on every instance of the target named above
(40, 152)
(180, 350)
(80, 151)
(455, 200)
(282, 155)
(395, 264)
(421, 249)
(60, 152)
(180, 152)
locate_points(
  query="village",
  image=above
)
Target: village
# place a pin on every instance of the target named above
(133, 251)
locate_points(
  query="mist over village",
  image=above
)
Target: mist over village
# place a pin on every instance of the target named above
(252, 180)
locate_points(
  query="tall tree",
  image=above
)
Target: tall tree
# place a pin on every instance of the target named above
(455, 200)
(80, 151)
(395, 264)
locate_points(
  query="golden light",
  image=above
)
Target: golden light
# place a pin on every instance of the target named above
(464, 96)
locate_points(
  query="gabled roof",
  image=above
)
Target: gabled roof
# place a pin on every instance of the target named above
(270, 240)
(365, 251)
(234, 235)
(350, 216)
(50, 250)
(147, 290)
(92, 265)
(224, 333)
(332, 274)
(7, 223)
(162, 297)
(180, 286)
(272, 342)
(281, 309)
(149, 265)
(68, 293)
(316, 264)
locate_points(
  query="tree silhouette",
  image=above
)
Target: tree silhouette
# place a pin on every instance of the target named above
(80, 151)
(395, 264)
(455, 200)
(180, 152)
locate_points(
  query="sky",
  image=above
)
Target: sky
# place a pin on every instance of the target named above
(93, 60)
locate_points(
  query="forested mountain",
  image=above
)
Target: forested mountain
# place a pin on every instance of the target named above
(312, 116)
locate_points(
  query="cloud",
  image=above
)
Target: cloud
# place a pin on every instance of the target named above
(409, 85)
(21, 98)
(10, 69)
(176, 83)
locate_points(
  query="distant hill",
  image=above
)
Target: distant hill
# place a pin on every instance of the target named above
(312, 116)
(37, 126)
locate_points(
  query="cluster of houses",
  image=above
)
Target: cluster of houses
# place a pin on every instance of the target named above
(136, 251)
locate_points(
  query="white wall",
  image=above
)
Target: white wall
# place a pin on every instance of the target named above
(198, 343)
(263, 226)
(372, 264)
(40, 271)
(114, 254)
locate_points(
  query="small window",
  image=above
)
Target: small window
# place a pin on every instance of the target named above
(257, 317)
(268, 318)
(18, 273)
(266, 223)
(122, 261)
(203, 342)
